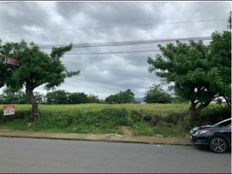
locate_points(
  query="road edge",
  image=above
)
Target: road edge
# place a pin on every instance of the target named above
(95, 137)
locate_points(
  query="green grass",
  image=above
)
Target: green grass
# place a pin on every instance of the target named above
(146, 130)
(16, 124)
(143, 119)
(148, 108)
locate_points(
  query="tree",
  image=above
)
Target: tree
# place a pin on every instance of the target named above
(78, 97)
(220, 59)
(157, 95)
(36, 68)
(57, 97)
(63, 97)
(121, 97)
(197, 74)
(93, 99)
(13, 97)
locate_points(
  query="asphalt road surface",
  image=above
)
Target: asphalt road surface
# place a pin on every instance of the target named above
(41, 155)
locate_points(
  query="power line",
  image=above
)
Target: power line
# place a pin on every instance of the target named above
(123, 43)
(116, 52)
(11, 1)
(119, 26)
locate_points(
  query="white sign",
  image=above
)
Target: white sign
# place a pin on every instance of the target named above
(8, 110)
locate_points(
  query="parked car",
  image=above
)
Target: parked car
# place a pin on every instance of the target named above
(217, 137)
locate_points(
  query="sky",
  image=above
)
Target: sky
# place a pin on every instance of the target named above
(54, 23)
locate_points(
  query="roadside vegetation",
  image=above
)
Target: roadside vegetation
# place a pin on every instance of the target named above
(197, 73)
(140, 119)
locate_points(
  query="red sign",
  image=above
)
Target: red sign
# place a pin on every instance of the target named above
(9, 110)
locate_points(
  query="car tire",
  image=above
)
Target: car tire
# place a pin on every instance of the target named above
(218, 145)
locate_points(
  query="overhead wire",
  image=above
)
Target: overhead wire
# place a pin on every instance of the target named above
(112, 52)
(124, 43)
(117, 26)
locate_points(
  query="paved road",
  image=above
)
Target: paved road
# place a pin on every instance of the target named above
(40, 155)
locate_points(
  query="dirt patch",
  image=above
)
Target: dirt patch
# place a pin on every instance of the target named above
(127, 131)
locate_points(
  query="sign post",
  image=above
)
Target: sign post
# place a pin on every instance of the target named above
(8, 110)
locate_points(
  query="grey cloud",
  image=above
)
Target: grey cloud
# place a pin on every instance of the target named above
(109, 73)
(112, 13)
(16, 16)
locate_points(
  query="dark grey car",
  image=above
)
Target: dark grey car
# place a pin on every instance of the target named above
(217, 137)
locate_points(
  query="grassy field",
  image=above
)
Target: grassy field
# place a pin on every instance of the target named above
(148, 108)
(140, 119)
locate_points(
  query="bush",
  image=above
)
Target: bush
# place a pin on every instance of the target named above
(214, 114)
(103, 121)
(145, 129)
(18, 115)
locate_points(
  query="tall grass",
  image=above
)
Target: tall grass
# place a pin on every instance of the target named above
(148, 108)
(143, 119)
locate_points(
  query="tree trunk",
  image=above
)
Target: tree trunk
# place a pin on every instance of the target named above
(194, 112)
(34, 111)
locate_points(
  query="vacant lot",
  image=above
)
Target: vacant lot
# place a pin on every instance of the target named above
(158, 108)
(138, 119)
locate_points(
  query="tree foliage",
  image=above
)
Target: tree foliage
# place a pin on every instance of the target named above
(63, 97)
(18, 97)
(57, 97)
(78, 97)
(220, 60)
(93, 99)
(36, 68)
(157, 95)
(200, 72)
(121, 97)
(12, 97)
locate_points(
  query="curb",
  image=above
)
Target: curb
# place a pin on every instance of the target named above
(97, 138)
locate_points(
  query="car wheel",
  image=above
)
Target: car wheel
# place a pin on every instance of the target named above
(218, 145)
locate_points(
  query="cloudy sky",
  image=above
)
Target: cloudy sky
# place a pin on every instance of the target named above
(52, 23)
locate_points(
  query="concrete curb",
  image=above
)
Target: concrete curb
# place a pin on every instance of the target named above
(95, 137)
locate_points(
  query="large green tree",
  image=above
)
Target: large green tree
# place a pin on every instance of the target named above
(63, 97)
(36, 68)
(220, 59)
(121, 97)
(157, 95)
(93, 99)
(57, 97)
(200, 72)
(78, 97)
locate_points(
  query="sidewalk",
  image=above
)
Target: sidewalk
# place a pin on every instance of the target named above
(96, 137)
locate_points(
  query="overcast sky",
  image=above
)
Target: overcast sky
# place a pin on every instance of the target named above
(104, 74)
